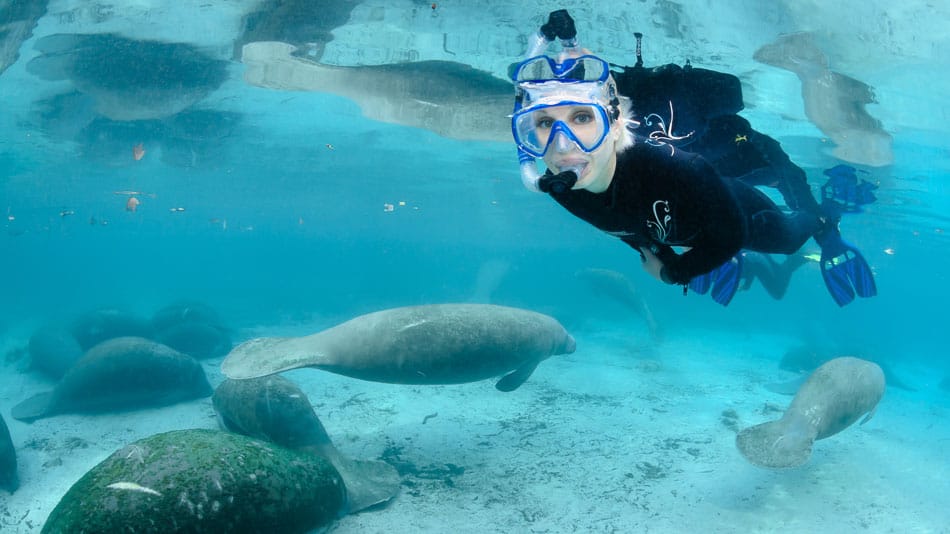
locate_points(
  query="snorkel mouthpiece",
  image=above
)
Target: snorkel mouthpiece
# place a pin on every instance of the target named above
(558, 183)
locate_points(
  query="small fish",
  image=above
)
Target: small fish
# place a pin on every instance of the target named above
(176, 210)
(132, 486)
(889, 251)
(329, 146)
(65, 213)
(138, 151)
(387, 207)
(11, 218)
(132, 204)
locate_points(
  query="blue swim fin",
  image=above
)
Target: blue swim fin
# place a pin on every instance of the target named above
(724, 281)
(844, 269)
(845, 188)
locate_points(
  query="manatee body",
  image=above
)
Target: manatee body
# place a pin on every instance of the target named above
(120, 374)
(835, 396)
(185, 311)
(193, 328)
(94, 327)
(804, 359)
(273, 408)
(432, 344)
(201, 481)
(199, 340)
(8, 475)
(54, 350)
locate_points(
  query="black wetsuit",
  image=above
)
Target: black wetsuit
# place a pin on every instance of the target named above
(660, 198)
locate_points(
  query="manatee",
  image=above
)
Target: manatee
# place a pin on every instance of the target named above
(96, 326)
(124, 373)
(17, 20)
(834, 102)
(451, 99)
(617, 287)
(201, 481)
(129, 80)
(835, 396)
(431, 344)
(804, 359)
(8, 476)
(199, 340)
(274, 409)
(184, 312)
(53, 350)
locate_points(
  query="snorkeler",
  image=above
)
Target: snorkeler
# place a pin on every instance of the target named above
(648, 193)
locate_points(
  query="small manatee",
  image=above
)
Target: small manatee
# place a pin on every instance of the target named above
(124, 373)
(835, 396)
(97, 326)
(54, 350)
(274, 409)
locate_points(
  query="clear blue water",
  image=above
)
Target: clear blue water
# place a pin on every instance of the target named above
(278, 228)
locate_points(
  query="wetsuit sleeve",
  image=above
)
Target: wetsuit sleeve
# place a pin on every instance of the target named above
(710, 214)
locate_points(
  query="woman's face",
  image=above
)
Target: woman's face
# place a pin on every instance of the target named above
(595, 169)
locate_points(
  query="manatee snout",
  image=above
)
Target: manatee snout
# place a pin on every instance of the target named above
(570, 345)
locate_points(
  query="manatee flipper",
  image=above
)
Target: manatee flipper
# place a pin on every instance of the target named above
(782, 443)
(787, 388)
(514, 379)
(868, 416)
(33, 408)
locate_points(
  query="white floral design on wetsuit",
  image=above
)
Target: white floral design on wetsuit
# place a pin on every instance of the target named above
(661, 220)
(663, 135)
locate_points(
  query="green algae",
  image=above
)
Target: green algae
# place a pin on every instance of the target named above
(201, 481)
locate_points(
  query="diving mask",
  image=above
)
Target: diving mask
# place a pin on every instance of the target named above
(562, 123)
(540, 69)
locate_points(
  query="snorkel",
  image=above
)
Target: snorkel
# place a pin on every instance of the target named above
(559, 25)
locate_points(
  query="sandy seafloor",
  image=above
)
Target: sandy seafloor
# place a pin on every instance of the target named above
(625, 435)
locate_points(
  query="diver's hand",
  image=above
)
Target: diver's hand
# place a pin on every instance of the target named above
(651, 263)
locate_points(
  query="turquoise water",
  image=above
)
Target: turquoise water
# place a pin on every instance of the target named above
(285, 226)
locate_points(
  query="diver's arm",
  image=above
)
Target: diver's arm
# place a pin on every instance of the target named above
(707, 205)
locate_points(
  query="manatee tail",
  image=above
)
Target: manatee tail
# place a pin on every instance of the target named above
(368, 482)
(33, 408)
(783, 443)
(270, 355)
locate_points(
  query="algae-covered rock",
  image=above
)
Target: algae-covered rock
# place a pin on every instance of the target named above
(201, 481)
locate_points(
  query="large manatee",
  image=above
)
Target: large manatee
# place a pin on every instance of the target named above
(8, 476)
(432, 344)
(123, 373)
(201, 481)
(274, 409)
(835, 396)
